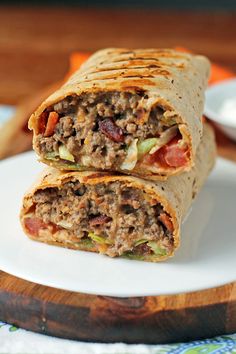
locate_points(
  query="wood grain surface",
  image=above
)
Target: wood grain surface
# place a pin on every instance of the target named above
(153, 319)
(35, 43)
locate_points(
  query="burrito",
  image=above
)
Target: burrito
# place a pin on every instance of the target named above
(116, 215)
(137, 112)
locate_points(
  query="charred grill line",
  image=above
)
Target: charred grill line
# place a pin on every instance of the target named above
(101, 69)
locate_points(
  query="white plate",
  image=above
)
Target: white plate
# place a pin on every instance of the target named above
(205, 259)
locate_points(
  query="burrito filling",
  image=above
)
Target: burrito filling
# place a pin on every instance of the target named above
(111, 130)
(113, 218)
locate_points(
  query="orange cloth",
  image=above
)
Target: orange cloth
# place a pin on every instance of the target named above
(218, 72)
(76, 60)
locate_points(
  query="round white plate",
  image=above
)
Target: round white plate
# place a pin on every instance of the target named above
(205, 259)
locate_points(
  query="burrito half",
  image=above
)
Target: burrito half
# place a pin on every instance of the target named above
(133, 111)
(116, 215)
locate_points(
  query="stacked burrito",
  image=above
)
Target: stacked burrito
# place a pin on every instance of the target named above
(127, 153)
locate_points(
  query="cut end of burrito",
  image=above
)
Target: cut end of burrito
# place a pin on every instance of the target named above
(115, 218)
(116, 215)
(133, 111)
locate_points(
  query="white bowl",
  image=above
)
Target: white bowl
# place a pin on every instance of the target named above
(220, 106)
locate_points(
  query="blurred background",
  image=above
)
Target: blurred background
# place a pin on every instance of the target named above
(36, 40)
(38, 37)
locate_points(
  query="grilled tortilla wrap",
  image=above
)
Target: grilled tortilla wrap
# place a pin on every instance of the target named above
(117, 215)
(133, 111)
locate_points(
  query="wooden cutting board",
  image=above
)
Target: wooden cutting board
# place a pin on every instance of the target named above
(151, 319)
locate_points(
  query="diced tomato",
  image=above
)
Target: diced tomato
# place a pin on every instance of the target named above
(165, 219)
(42, 122)
(158, 157)
(47, 122)
(170, 155)
(175, 156)
(33, 225)
(52, 121)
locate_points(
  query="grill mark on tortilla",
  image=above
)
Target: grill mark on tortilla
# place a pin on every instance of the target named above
(123, 64)
(129, 66)
(99, 69)
(127, 83)
(147, 82)
(152, 74)
(151, 55)
(133, 58)
(123, 72)
(139, 77)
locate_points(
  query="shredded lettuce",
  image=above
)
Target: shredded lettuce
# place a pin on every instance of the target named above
(133, 256)
(65, 154)
(99, 239)
(151, 145)
(156, 248)
(145, 146)
(67, 165)
(131, 157)
(140, 242)
(52, 156)
(153, 245)
(165, 138)
(85, 243)
(72, 166)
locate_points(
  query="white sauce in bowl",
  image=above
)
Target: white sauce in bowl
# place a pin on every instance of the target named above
(227, 111)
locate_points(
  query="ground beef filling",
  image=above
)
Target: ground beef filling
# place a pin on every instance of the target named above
(97, 128)
(118, 219)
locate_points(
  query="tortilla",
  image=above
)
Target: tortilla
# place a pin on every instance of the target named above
(171, 198)
(133, 111)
